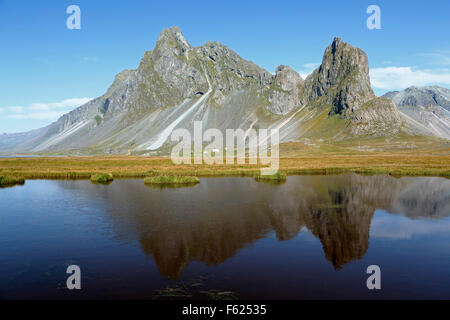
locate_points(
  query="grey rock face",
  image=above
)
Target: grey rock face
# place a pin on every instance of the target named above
(377, 117)
(342, 81)
(171, 62)
(421, 97)
(425, 108)
(285, 90)
(229, 72)
(343, 78)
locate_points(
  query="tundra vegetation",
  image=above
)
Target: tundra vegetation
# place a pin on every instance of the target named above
(418, 157)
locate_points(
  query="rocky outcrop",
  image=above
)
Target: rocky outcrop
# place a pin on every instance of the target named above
(376, 117)
(285, 90)
(342, 81)
(343, 78)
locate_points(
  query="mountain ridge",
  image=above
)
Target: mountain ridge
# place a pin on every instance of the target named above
(176, 84)
(428, 107)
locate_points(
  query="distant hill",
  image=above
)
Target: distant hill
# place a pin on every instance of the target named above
(429, 107)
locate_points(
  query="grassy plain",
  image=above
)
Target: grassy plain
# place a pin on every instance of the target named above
(415, 157)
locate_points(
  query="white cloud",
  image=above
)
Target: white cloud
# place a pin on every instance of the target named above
(74, 102)
(16, 109)
(311, 65)
(43, 111)
(395, 226)
(395, 78)
(308, 68)
(42, 115)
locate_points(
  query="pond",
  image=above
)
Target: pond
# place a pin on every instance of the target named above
(312, 237)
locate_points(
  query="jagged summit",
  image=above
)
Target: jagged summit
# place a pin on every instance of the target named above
(170, 40)
(285, 90)
(172, 36)
(342, 81)
(176, 84)
(345, 70)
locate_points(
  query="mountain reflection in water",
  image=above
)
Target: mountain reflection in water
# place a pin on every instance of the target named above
(212, 221)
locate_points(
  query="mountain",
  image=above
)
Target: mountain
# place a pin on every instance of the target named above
(426, 107)
(342, 84)
(421, 96)
(176, 84)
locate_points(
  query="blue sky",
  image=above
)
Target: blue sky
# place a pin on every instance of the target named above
(47, 69)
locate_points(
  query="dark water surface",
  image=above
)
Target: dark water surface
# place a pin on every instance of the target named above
(311, 237)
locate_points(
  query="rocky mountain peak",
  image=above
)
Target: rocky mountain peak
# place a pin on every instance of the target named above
(284, 90)
(170, 67)
(341, 63)
(287, 78)
(173, 35)
(170, 41)
(343, 78)
(337, 42)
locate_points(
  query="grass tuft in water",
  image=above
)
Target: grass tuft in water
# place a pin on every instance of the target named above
(277, 177)
(220, 295)
(175, 292)
(170, 179)
(7, 181)
(102, 178)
